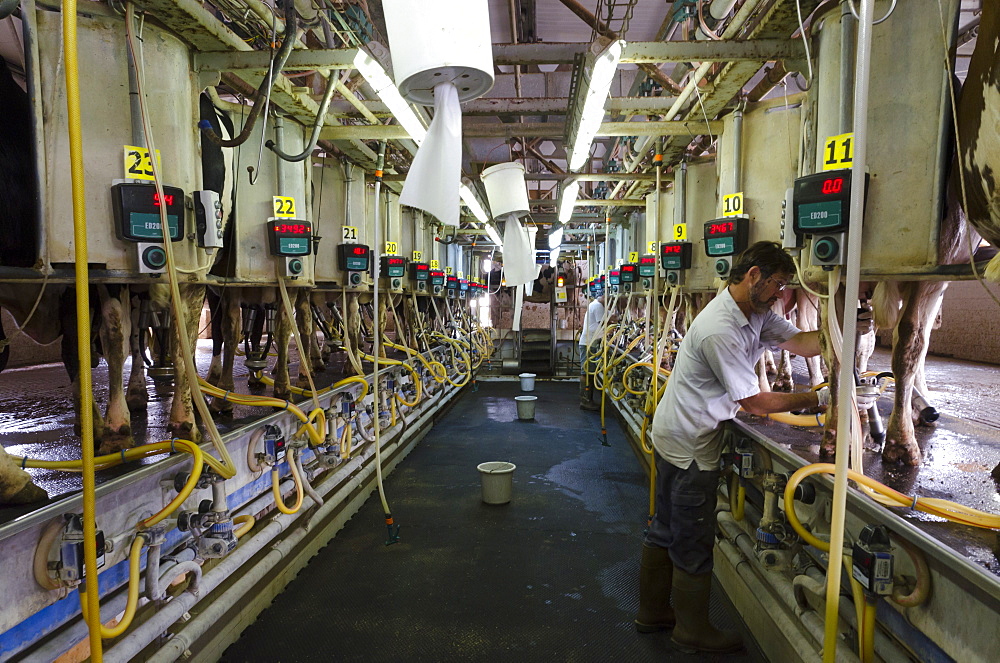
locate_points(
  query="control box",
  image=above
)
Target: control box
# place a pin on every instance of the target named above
(355, 259)
(208, 219)
(725, 239)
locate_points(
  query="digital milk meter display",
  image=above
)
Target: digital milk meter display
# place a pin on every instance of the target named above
(676, 255)
(290, 237)
(437, 278)
(647, 266)
(614, 277)
(393, 266)
(353, 257)
(419, 271)
(137, 212)
(628, 272)
(726, 236)
(822, 202)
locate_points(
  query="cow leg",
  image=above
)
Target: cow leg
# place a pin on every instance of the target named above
(114, 332)
(182, 421)
(761, 369)
(282, 332)
(215, 309)
(229, 327)
(71, 360)
(136, 397)
(783, 380)
(921, 301)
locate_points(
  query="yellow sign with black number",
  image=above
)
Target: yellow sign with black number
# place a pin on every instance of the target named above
(435, 264)
(461, 275)
(448, 270)
(732, 205)
(838, 152)
(284, 207)
(350, 234)
(391, 248)
(680, 232)
(417, 255)
(651, 247)
(633, 256)
(138, 165)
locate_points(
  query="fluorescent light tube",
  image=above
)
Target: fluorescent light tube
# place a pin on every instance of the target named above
(601, 73)
(567, 199)
(390, 96)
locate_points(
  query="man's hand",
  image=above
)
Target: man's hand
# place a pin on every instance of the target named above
(865, 323)
(866, 396)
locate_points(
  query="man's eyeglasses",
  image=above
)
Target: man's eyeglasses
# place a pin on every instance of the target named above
(780, 285)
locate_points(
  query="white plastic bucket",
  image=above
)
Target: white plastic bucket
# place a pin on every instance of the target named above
(505, 189)
(498, 481)
(526, 407)
(527, 381)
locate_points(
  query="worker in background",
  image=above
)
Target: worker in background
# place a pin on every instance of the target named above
(590, 334)
(713, 377)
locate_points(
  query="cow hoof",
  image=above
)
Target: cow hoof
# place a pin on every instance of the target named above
(185, 430)
(28, 494)
(214, 375)
(901, 454)
(221, 407)
(136, 400)
(114, 444)
(282, 392)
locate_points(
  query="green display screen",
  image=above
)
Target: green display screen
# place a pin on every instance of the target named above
(674, 261)
(357, 264)
(147, 226)
(647, 270)
(820, 216)
(297, 246)
(718, 246)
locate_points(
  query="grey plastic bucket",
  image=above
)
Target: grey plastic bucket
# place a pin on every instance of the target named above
(527, 381)
(526, 407)
(498, 481)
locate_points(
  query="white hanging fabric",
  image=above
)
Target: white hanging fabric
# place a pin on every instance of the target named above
(518, 305)
(433, 181)
(518, 253)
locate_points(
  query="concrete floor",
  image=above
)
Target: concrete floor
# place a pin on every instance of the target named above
(36, 418)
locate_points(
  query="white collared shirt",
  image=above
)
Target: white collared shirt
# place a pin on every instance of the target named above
(714, 369)
(591, 328)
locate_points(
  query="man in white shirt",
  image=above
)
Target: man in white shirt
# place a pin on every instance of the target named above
(713, 377)
(590, 331)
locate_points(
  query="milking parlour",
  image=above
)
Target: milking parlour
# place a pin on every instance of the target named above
(499, 330)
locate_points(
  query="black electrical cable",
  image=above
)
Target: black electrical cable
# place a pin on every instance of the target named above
(288, 42)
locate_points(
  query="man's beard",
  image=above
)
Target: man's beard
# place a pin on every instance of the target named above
(757, 303)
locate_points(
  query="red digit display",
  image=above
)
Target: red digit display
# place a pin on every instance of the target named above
(668, 249)
(833, 185)
(721, 228)
(628, 268)
(359, 251)
(168, 198)
(647, 261)
(421, 268)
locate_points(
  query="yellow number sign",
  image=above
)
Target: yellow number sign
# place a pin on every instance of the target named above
(435, 264)
(680, 232)
(417, 255)
(138, 165)
(448, 270)
(350, 234)
(392, 248)
(838, 152)
(651, 247)
(633, 256)
(284, 206)
(732, 205)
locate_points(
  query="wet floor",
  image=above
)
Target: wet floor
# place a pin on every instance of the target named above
(37, 416)
(959, 451)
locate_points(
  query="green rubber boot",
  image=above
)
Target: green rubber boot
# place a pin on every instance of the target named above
(656, 572)
(694, 632)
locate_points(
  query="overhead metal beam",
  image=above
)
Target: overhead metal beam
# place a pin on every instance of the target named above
(580, 177)
(533, 129)
(639, 52)
(298, 60)
(653, 52)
